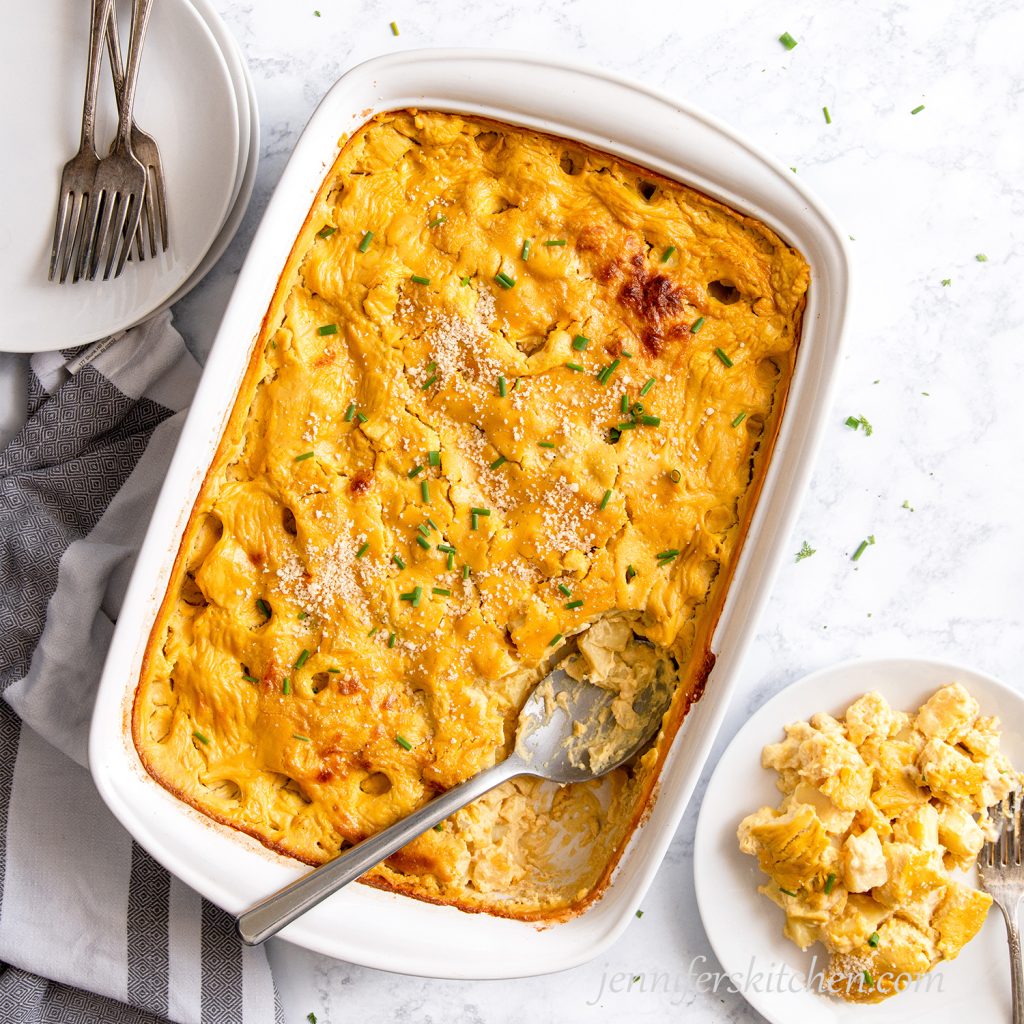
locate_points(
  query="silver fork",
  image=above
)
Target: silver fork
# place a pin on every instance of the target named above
(146, 151)
(120, 181)
(1001, 871)
(77, 207)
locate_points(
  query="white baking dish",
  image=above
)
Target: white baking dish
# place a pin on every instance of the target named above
(361, 924)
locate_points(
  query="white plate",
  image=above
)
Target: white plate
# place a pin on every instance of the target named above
(185, 100)
(361, 924)
(745, 928)
(248, 150)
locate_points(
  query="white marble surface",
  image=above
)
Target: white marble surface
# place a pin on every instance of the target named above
(937, 370)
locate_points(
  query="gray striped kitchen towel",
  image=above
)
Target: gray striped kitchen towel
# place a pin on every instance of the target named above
(91, 927)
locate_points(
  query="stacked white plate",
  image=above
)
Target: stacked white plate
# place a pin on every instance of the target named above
(195, 97)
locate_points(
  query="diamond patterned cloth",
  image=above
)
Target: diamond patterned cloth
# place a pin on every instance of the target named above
(92, 929)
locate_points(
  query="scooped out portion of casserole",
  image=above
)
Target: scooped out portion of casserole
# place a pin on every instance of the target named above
(513, 401)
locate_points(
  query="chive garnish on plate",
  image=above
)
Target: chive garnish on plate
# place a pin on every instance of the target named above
(722, 355)
(787, 40)
(434, 457)
(697, 325)
(286, 686)
(365, 243)
(667, 254)
(437, 221)
(441, 591)
(423, 542)
(425, 491)
(579, 343)
(504, 280)
(327, 329)
(499, 462)
(415, 471)
(364, 547)
(417, 279)
(326, 232)
(397, 559)
(199, 736)
(555, 640)
(575, 367)
(525, 252)
(301, 659)
(403, 742)
(647, 387)
(263, 607)
(604, 501)
(303, 456)
(570, 605)
(555, 241)
(740, 417)
(830, 883)
(862, 547)
(502, 387)
(918, 109)
(565, 590)
(350, 411)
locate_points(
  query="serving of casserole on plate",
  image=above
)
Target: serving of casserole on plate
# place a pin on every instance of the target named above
(514, 394)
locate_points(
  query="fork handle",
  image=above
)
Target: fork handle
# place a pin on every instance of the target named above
(100, 16)
(1016, 968)
(114, 53)
(140, 19)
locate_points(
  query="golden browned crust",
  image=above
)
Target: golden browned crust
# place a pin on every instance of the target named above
(317, 762)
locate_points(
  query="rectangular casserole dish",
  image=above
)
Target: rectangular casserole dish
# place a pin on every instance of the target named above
(609, 115)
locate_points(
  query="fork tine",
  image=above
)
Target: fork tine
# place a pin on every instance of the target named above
(114, 236)
(150, 208)
(68, 261)
(161, 205)
(77, 256)
(127, 231)
(92, 237)
(64, 211)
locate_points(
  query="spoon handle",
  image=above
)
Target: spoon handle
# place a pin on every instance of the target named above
(270, 916)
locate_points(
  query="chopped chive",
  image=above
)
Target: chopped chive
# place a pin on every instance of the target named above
(862, 547)
(437, 221)
(721, 355)
(565, 590)
(363, 549)
(525, 253)
(647, 387)
(423, 542)
(981, 258)
(555, 241)
(579, 343)
(286, 686)
(502, 387)
(868, 980)
(199, 736)
(397, 559)
(428, 382)
(604, 501)
(391, 639)
(627, 355)
(630, 573)
(432, 524)
(873, 940)
(438, 828)
(249, 679)
(326, 232)
(504, 280)
(412, 596)
(830, 883)
(787, 40)
(441, 591)
(373, 632)
(263, 607)
(667, 555)
(575, 367)
(464, 281)
(417, 279)
(303, 456)
(740, 417)
(327, 329)
(300, 737)
(451, 559)
(474, 521)
(365, 243)
(573, 604)
(434, 457)
(499, 462)
(350, 411)
(626, 425)
(639, 913)
(465, 572)
(334, 671)
(422, 528)
(675, 476)
(446, 548)
(394, 28)
(431, 366)
(788, 892)
(828, 116)
(361, 417)
(651, 421)
(545, 444)
(425, 491)
(697, 325)
(301, 659)
(403, 742)
(624, 403)
(555, 640)
(302, 616)
(917, 110)
(415, 471)
(480, 511)
(667, 254)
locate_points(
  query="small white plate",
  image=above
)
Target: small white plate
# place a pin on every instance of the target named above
(185, 99)
(745, 928)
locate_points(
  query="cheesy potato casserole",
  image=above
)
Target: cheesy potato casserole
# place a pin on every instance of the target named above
(513, 401)
(881, 810)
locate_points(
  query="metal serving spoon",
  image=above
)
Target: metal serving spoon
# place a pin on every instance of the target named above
(566, 733)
